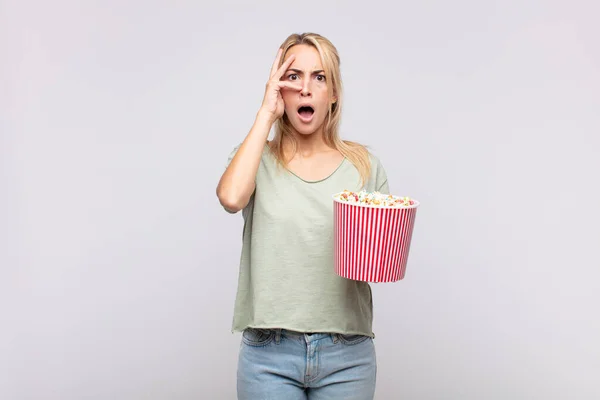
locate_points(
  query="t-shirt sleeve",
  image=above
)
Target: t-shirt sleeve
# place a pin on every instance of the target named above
(250, 203)
(232, 154)
(381, 180)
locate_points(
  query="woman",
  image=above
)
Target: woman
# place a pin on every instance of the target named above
(306, 332)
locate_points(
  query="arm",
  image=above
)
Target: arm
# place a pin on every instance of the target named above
(238, 181)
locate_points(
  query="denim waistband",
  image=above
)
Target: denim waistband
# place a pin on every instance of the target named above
(308, 336)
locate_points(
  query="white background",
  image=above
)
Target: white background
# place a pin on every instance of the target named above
(118, 267)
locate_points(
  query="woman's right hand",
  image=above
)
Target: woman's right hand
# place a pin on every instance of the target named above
(237, 183)
(273, 105)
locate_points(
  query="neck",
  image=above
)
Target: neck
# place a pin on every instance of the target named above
(307, 145)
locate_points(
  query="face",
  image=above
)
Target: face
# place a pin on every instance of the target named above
(308, 108)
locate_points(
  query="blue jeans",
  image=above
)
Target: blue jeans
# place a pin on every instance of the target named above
(285, 365)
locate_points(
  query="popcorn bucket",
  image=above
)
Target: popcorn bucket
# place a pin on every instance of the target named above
(372, 242)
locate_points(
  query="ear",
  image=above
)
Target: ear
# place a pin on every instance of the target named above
(334, 97)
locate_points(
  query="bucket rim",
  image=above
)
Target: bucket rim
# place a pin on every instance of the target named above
(417, 203)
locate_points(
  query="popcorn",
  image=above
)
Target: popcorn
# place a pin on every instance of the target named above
(373, 199)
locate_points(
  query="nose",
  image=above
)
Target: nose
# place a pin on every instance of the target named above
(306, 88)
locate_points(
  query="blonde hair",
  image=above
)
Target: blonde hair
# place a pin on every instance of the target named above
(356, 153)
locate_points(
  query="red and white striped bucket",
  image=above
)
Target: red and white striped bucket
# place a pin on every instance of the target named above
(372, 242)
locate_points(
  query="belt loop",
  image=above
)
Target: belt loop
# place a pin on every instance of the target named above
(335, 337)
(277, 336)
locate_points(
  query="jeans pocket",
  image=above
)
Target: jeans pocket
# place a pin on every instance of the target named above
(257, 337)
(352, 339)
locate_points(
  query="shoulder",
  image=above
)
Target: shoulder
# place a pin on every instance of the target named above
(365, 152)
(375, 161)
(368, 161)
(378, 173)
(236, 148)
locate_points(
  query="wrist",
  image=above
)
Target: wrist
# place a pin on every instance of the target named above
(265, 116)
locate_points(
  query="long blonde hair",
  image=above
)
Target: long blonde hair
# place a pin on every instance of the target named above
(356, 153)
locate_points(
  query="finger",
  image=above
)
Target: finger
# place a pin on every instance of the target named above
(276, 62)
(289, 85)
(284, 67)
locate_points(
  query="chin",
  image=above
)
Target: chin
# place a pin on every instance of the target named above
(306, 129)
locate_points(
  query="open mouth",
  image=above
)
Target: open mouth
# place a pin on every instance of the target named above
(306, 112)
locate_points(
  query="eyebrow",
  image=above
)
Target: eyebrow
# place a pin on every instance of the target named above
(299, 71)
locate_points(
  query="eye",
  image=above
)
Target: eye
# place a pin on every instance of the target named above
(293, 77)
(321, 78)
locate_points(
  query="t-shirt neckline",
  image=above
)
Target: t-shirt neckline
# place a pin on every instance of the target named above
(322, 179)
(302, 179)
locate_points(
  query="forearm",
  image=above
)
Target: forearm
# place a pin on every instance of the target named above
(238, 181)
